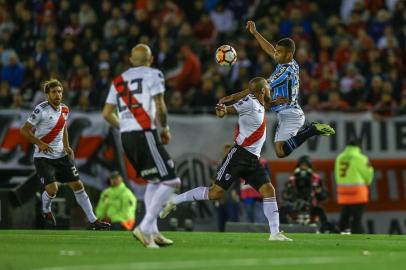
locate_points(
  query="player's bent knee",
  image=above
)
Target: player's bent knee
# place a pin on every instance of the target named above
(267, 190)
(52, 189)
(76, 186)
(215, 193)
(280, 154)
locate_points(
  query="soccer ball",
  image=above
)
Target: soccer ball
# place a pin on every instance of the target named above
(226, 55)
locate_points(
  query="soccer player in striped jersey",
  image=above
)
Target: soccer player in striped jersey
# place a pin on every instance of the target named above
(284, 82)
(242, 161)
(53, 156)
(138, 96)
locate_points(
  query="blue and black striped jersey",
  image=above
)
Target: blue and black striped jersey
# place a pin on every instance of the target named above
(284, 82)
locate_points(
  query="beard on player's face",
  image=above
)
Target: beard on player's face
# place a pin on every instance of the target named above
(55, 98)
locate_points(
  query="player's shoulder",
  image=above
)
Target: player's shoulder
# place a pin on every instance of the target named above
(155, 72)
(41, 106)
(143, 70)
(291, 66)
(65, 107)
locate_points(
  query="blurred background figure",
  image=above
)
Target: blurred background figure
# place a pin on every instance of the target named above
(117, 204)
(353, 175)
(303, 195)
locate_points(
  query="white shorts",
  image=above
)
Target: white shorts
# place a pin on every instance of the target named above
(289, 122)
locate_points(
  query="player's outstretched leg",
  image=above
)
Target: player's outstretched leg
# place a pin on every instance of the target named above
(196, 194)
(271, 212)
(308, 130)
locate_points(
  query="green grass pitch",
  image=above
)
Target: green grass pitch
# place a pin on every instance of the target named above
(82, 250)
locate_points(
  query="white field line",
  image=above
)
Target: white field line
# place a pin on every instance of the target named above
(190, 264)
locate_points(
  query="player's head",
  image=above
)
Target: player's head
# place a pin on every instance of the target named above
(284, 50)
(259, 87)
(141, 55)
(53, 90)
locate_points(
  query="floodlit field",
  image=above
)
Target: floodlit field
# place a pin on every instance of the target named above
(77, 250)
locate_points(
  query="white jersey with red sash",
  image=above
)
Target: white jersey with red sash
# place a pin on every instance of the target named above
(251, 130)
(49, 125)
(132, 92)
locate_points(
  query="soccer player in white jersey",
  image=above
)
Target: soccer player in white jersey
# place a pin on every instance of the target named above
(53, 157)
(242, 161)
(284, 81)
(138, 95)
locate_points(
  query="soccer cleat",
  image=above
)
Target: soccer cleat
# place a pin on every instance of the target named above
(162, 240)
(49, 219)
(147, 241)
(323, 129)
(169, 207)
(99, 226)
(279, 237)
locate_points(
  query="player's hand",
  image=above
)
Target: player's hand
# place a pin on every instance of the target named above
(44, 147)
(251, 27)
(165, 136)
(70, 152)
(221, 110)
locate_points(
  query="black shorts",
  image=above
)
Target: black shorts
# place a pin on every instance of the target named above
(51, 170)
(147, 155)
(240, 163)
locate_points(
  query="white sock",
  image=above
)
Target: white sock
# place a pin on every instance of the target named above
(148, 196)
(160, 198)
(46, 202)
(84, 202)
(272, 214)
(196, 194)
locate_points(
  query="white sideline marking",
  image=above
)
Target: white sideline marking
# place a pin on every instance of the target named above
(249, 262)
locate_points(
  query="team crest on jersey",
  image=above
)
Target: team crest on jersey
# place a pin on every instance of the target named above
(228, 176)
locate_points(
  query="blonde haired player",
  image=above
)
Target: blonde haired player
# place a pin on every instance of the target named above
(138, 95)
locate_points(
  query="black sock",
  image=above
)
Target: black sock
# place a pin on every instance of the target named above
(297, 140)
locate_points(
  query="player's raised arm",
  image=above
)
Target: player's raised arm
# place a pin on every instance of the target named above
(110, 115)
(265, 44)
(234, 97)
(162, 114)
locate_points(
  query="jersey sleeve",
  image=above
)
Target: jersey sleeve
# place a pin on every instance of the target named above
(112, 96)
(157, 83)
(243, 105)
(35, 116)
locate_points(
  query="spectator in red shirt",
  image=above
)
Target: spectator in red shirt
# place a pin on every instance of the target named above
(190, 73)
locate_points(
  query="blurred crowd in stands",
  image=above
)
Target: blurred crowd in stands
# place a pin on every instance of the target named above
(352, 53)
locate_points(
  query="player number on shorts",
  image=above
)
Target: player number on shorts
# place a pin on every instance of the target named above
(131, 88)
(75, 171)
(344, 165)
